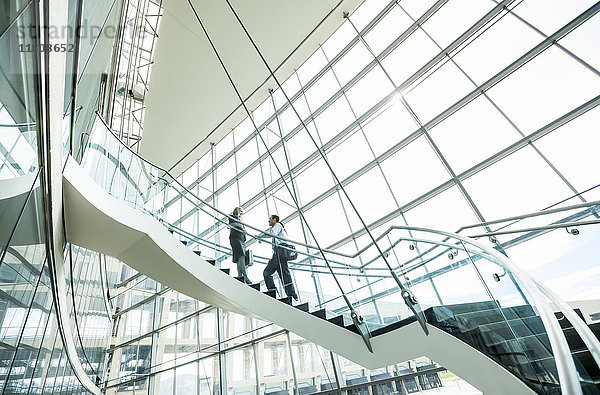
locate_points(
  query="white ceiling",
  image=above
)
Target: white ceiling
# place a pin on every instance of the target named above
(190, 102)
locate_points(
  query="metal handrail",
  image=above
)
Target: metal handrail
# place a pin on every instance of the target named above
(558, 225)
(185, 191)
(564, 361)
(567, 372)
(530, 215)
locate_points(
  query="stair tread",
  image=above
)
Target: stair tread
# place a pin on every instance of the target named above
(352, 328)
(393, 326)
(321, 313)
(286, 300)
(337, 320)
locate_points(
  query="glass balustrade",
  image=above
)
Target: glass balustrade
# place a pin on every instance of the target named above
(18, 131)
(460, 287)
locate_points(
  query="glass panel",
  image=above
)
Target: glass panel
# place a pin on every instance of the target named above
(479, 125)
(333, 120)
(409, 56)
(549, 16)
(369, 90)
(352, 62)
(366, 12)
(407, 184)
(425, 98)
(492, 51)
(547, 87)
(338, 40)
(322, 90)
(354, 146)
(532, 185)
(463, 15)
(583, 41)
(447, 211)
(572, 149)
(18, 137)
(241, 371)
(386, 30)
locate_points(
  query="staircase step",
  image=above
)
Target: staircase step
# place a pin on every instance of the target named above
(464, 308)
(519, 312)
(595, 327)
(320, 313)
(391, 327)
(184, 242)
(255, 286)
(198, 253)
(271, 293)
(564, 323)
(588, 363)
(302, 306)
(352, 328)
(226, 271)
(339, 321)
(240, 279)
(286, 300)
(211, 261)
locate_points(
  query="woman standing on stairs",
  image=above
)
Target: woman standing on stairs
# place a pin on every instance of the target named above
(237, 239)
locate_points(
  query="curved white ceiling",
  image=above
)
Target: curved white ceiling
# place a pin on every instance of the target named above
(190, 102)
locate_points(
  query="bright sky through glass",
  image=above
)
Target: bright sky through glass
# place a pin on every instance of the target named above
(473, 139)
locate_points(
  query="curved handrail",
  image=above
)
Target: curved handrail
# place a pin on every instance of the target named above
(530, 215)
(588, 337)
(591, 341)
(567, 372)
(564, 361)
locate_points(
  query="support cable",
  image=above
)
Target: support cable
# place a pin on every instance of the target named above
(356, 318)
(407, 294)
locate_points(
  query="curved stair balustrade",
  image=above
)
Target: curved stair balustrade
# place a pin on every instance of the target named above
(467, 291)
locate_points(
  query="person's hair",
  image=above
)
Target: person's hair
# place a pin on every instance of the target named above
(236, 211)
(276, 218)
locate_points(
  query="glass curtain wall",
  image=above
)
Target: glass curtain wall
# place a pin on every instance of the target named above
(164, 342)
(98, 23)
(426, 123)
(133, 68)
(32, 359)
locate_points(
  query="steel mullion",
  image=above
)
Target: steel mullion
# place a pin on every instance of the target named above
(558, 45)
(361, 130)
(314, 79)
(316, 279)
(216, 353)
(322, 72)
(458, 182)
(376, 107)
(491, 82)
(482, 165)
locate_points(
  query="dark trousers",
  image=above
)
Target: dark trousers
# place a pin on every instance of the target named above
(281, 267)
